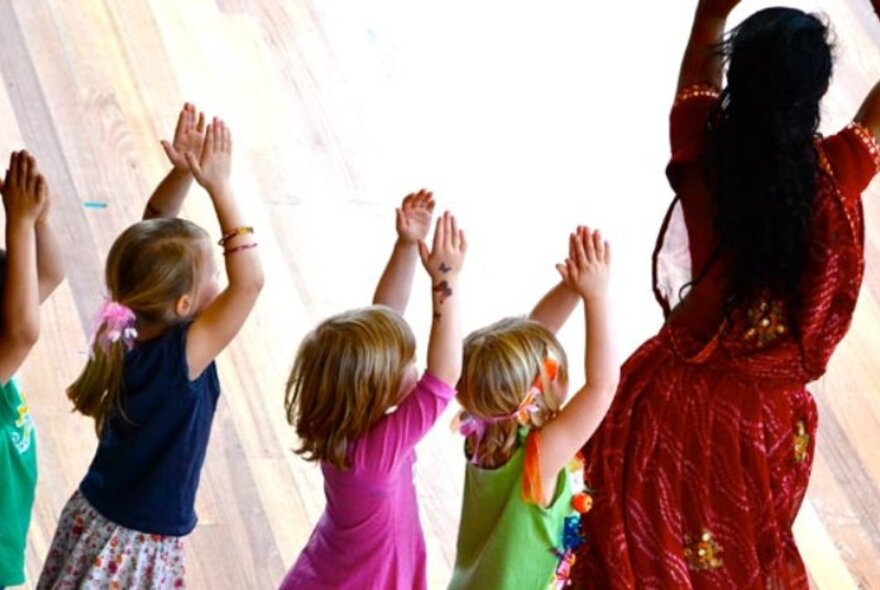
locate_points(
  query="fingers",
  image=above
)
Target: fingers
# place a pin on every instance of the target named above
(218, 137)
(227, 139)
(210, 139)
(40, 187)
(586, 247)
(423, 199)
(588, 241)
(31, 173)
(452, 237)
(194, 166)
(598, 245)
(200, 126)
(563, 273)
(440, 231)
(182, 120)
(27, 163)
(169, 150)
(462, 242)
(580, 255)
(17, 170)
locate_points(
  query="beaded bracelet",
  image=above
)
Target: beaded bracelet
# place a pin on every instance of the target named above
(239, 248)
(239, 231)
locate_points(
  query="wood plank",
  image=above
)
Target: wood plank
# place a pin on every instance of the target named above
(338, 110)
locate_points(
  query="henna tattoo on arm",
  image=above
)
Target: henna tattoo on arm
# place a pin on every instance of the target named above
(445, 268)
(152, 211)
(444, 290)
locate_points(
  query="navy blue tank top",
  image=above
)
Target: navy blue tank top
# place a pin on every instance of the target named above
(145, 473)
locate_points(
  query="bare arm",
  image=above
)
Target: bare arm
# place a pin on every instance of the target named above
(554, 308)
(869, 114)
(50, 260)
(216, 326)
(168, 198)
(413, 221)
(444, 263)
(560, 439)
(701, 64)
(24, 195)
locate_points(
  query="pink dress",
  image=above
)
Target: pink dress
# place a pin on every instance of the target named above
(369, 536)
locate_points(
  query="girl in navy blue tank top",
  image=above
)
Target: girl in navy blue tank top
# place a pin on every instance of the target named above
(150, 383)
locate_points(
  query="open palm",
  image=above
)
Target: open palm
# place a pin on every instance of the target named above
(189, 136)
(414, 216)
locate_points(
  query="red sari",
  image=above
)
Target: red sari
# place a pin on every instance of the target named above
(703, 460)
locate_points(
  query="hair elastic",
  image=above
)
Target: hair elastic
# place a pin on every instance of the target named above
(476, 426)
(115, 322)
(238, 231)
(229, 251)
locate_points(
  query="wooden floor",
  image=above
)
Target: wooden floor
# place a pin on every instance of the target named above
(524, 118)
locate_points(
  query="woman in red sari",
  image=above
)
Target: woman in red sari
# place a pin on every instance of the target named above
(702, 462)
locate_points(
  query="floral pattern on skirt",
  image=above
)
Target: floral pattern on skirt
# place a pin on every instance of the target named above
(91, 552)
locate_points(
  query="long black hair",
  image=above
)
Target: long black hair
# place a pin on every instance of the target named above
(762, 163)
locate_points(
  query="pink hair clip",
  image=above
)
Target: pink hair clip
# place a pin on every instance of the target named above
(115, 322)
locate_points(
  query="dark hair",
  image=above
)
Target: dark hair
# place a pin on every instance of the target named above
(762, 162)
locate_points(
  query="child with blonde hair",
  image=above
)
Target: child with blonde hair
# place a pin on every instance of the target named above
(151, 383)
(30, 269)
(520, 510)
(350, 374)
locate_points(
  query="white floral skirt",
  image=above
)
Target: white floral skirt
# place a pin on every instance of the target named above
(90, 552)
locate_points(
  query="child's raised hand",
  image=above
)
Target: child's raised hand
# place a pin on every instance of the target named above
(414, 216)
(586, 270)
(446, 256)
(24, 189)
(189, 137)
(211, 169)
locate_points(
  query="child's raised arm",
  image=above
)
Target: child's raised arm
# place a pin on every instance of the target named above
(50, 260)
(586, 273)
(701, 63)
(24, 196)
(413, 223)
(216, 326)
(189, 137)
(555, 307)
(443, 262)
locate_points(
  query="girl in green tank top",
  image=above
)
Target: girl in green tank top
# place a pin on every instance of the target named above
(524, 489)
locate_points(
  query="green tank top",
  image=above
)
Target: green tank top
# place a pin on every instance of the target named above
(504, 542)
(18, 474)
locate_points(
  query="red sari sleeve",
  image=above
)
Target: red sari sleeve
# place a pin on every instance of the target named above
(687, 129)
(854, 158)
(685, 241)
(850, 160)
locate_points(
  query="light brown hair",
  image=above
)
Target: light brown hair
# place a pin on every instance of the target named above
(346, 375)
(150, 266)
(501, 363)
